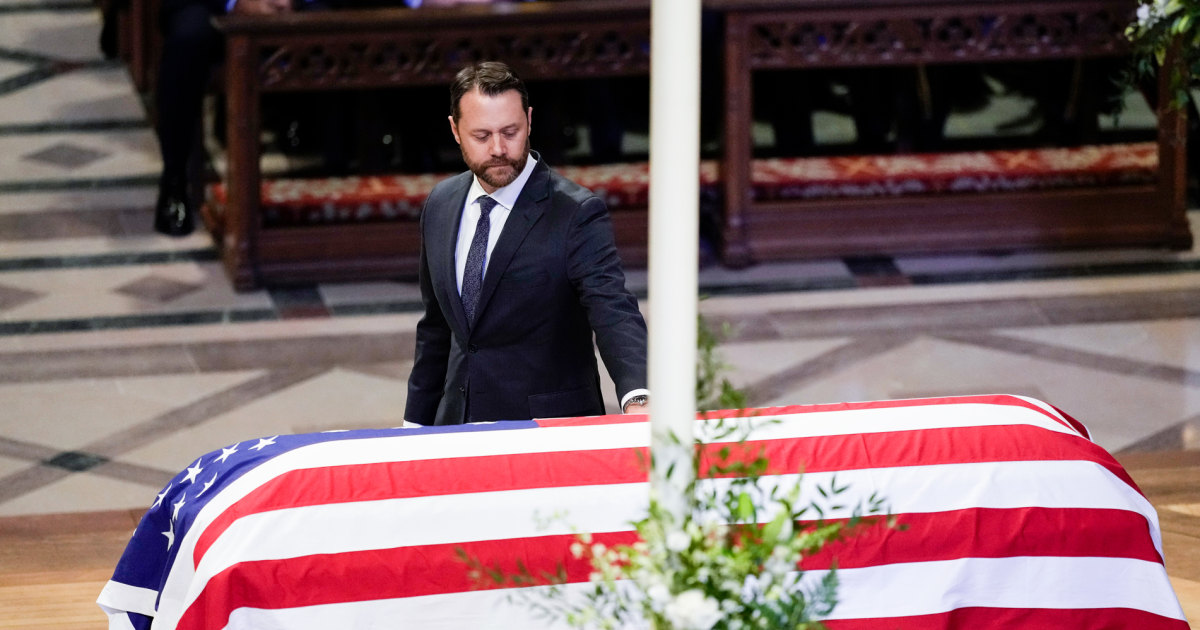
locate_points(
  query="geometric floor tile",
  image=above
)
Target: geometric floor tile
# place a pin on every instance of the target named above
(80, 492)
(154, 288)
(337, 399)
(1118, 409)
(301, 302)
(75, 461)
(65, 155)
(1022, 389)
(394, 370)
(12, 297)
(1184, 436)
(1161, 341)
(9, 69)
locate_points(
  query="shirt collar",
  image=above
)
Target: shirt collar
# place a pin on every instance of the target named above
(506, 196)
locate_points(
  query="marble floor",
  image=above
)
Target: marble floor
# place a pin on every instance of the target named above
(123, 353)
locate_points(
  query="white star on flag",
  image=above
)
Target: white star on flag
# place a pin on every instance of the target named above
(159, 500)
(208, 485)
(170, 534)
(226, 452)
(263, 443)
(175, 514)
(193, 472)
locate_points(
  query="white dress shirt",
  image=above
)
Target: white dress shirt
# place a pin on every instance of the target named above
(506, 198)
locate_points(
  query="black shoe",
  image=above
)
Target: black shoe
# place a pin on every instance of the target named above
(108, 34)
(173, 214)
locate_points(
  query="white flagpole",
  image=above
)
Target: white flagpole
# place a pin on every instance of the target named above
(674, 246)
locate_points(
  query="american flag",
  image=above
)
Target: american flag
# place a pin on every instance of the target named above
(1012, 517)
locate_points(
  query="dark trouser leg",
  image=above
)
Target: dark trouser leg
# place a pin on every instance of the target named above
(190, 47)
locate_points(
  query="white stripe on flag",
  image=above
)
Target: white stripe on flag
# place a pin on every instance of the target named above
(118, 596)
(920, 588)
(876, 592)
(916, 418)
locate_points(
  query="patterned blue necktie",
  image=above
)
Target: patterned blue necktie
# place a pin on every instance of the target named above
(473, 273)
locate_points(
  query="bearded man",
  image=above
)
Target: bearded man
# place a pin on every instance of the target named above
(518, 271)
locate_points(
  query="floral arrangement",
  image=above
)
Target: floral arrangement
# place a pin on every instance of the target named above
(720, 568)
(731, 562)
(1163, 27)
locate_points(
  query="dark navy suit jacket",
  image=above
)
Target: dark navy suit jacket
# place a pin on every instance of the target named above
(553, 280)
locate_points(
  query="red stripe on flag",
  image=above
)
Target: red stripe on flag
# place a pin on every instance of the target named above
(436, 477)
(587, 421)
(1024, 618)
(925, 447)
(997, 399)
(993, 533)
(437, 569)
(378, 574)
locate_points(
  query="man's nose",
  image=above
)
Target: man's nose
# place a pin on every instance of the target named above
(497, 145)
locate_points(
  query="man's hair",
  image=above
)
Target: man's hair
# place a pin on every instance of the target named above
(491, 77)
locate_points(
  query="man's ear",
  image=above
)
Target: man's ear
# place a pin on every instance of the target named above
(529, 119)
(454, 129)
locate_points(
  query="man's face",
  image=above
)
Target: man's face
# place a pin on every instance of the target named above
(493, 133)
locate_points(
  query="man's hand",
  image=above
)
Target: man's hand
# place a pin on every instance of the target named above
(261, 7)
(636, 408)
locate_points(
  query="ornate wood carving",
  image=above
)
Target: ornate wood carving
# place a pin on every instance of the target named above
(967, 33)
(380, 59)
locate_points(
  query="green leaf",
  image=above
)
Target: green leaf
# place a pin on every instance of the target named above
(772, 531)
(1180, 25)
(745, 507)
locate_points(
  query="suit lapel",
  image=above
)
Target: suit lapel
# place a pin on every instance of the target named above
(443, 255)
(525, 214)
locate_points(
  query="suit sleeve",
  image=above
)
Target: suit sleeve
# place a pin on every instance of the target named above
(612, 311)
(433, 338)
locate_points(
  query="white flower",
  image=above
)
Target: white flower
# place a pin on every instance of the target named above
(659, 595)
(678, 541)
(1143, 14)
(780, 562)
(693, 610)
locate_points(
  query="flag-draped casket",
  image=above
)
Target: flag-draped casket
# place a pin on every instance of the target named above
(1010, 518)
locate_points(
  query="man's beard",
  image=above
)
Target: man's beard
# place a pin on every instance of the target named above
(489, 173)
